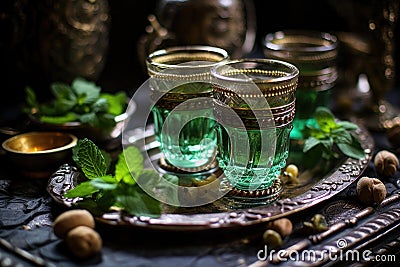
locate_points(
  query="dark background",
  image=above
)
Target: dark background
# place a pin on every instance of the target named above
(123, 69)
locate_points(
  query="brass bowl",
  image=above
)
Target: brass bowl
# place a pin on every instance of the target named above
(38, 154)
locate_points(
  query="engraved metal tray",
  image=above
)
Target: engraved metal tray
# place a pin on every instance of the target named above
(314, 188)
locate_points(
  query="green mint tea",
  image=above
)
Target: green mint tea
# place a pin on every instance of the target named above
(186, 133)
(248, 169)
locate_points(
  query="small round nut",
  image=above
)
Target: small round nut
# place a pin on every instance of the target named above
(292, 170)
(386, 163)
(370, 190)
(71, 219)
(83, 242)
(319, 223)
(282, 226)
(272, 239)
(290, 175)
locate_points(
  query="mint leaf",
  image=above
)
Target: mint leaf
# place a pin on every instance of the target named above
(104, 183)
(100, 105)
(86, 91)
(327, 143)
(136, 201)
(310, 143)
(89, 118)
(341, 135)
(129, 165)
(149, 178)
(106, 200)
(325, 119)
(70, 116)
(347, 125)
(89, 204)
(353, 150)
(64, 100)
(107, 158)
(62, 91)
(106, 120)
(309, 131)
(116, 103)
(89, 158)
(30, 98)
(82, 190)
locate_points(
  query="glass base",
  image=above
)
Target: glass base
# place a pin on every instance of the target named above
(166, 167)
(256, 179)
(244, 198)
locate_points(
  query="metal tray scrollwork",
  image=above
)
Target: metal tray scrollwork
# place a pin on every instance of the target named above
(313, 190)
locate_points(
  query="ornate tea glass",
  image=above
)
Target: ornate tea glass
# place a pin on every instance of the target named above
(182, 112)
(254, 104)
(314, 54)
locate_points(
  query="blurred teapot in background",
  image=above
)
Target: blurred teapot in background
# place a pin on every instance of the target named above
(228, 24)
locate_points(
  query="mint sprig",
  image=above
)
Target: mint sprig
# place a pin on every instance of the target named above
(82, 101)
(331, 137)
(103, 190)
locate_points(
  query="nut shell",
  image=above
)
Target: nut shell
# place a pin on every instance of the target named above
(370, 190)
(292, 170)
(68, 220)
(83, 242)
(386, 163)
(272, 239)
(282, 226)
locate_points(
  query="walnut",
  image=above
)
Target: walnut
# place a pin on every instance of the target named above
(283, 226)
(83, 242)
(68, 220)
(386, 163)
(370, 190)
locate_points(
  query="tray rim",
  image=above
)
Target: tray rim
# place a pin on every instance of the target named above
(66, 177)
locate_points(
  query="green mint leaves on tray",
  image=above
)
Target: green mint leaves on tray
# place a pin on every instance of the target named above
(82, 101)
(103, 190)
(331, 137)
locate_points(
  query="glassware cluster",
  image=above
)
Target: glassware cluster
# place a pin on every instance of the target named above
(208, 108)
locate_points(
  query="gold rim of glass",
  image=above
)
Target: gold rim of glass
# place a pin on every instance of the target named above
(175, 57)
(272, 77)
(304, 45)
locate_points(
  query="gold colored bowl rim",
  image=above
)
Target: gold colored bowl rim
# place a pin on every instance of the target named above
(71, 144)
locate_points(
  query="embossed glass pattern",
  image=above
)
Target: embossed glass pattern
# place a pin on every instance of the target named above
(255, 107)
(182, 96)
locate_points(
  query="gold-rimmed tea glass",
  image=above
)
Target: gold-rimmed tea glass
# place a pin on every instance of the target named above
(314, 54)
(182, 96)
(254, 106)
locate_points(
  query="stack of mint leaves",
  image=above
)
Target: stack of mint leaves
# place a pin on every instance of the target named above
(103, 190)
(330, 138)
(82, 101)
